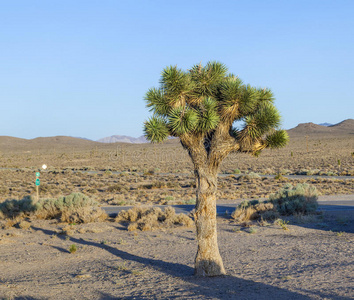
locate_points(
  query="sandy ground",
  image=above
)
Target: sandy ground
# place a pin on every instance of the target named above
(312, 260)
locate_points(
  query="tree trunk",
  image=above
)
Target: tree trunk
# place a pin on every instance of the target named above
(208, 261)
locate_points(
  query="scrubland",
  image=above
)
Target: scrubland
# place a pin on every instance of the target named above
(61, 248)
(124, 174)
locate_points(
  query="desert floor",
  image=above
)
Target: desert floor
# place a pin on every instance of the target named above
(312, 260)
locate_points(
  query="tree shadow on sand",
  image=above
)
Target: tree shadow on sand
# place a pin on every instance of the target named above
(222, 287)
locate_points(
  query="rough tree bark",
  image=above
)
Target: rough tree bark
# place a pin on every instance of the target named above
(208, 261)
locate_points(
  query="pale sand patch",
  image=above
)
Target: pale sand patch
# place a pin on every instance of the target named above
(307, 262)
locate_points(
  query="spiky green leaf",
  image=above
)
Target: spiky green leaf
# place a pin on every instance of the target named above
(277, 139)
(231, 91)
(157, 102)
(208, 115)
(248, 100)
(156, 130)
(175, 84)
(251, 129)
(265, 95)
(266, 117)
(206, 79)
(217, 71)
(182, 120)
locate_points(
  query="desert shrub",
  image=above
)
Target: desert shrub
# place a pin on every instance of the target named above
(237, 171)
(279, 177)
(117, 188)
(251, 176)
(154, 185)
(302, 172)
(148, 172)
(191, 201)
(83, 215)
(284, 171)
(73, 248)
(254, 210)
(107, 173)
(139, 218)
(301, 199)
(170, 184)
(268, 171)
(24, 224)
(12, 208)
(74, 208)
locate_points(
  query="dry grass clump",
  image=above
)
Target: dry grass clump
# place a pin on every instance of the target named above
(10, 222)
(254, 210)
(74, 208)
(117, 188)
(83, 215)
(138, 218)
(24, 224)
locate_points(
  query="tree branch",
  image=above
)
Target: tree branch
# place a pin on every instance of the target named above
(222, 144)
(194, 143)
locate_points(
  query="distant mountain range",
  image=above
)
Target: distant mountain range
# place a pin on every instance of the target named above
(346, 126)
(123, 139)
(325, 124)
(7, 142)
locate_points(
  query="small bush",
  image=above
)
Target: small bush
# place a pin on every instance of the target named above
(251, 176)
(148, 172)
(253, 210)
(12, 208)
(283, 224)
(289, 200)
(24, 225)
(108, 173)
(285, 172)
(279, 177)
(301, 199)
(74, 208)
(116, 188)
(72, 248)
(191, 201)
(139, 218)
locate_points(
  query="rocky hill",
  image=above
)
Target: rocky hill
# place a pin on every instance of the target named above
(344, 127)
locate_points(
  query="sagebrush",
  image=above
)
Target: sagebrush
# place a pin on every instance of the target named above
(299, 199)
(289, 200)
(74, 208)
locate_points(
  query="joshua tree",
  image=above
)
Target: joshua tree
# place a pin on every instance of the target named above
(200, 106)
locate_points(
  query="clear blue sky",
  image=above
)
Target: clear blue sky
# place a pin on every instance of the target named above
(81, 68)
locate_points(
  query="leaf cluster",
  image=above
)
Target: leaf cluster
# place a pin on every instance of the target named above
(199, 101)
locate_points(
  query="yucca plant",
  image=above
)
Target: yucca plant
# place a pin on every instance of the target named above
(200, 107)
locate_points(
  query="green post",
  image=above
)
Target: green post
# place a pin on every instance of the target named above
(37, 184)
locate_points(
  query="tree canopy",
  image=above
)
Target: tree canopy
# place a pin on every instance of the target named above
(204, 103)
